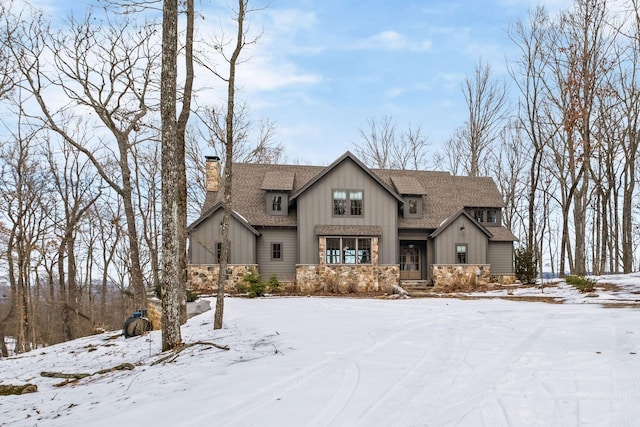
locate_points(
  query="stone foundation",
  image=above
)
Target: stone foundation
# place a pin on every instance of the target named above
(460, 277)
(203, 279)
(344, 279)
(503, 279)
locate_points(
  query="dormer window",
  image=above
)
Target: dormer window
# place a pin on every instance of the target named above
(478, 214)
(491, 216)
(276, 203)
(412, 207)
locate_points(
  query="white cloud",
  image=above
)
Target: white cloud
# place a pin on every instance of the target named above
(266, 73)
(291, 21)
(392, 40)
(394, 92)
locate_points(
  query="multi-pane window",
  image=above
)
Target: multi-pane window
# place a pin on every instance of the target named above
(333, 251)
(355, 201)
(478, 214)
(491, 215)
(339, 202)
(364, 251)
(276, 203)
(348, 250)
(276, 251)
(461, 254)
(347, 202)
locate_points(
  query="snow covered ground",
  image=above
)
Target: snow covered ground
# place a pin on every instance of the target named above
(357, 362)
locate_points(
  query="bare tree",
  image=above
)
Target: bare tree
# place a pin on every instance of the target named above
(230, 79)
(7, 70)
(254, 141)
(486, 101)
(528, 75)
(453, 157)
(578, 63)
(75, 185)
(629, 97)
(24, 198)
(171, 247)
(382, 148)
(107, 71)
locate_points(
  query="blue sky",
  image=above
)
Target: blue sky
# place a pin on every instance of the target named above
(322, 68)
(334, 64)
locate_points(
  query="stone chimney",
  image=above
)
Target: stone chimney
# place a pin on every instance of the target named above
(212, 166)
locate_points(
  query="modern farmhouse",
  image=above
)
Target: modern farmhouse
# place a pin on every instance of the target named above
(347, 228)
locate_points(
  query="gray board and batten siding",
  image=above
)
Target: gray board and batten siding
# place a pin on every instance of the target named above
(204, 238)
(461, 231)
(380, 208)
(284, 268)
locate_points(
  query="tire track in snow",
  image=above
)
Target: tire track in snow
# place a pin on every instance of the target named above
(467, 399)
(370, 415)
(625, 401)
(255, 405)
(340, 399)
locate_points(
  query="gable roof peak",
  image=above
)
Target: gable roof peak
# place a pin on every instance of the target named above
(337, 162)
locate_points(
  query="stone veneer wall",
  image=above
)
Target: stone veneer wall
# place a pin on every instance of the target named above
(343, 279)
(460, 276)
(503, 279)
(203, 278)
(154, 312)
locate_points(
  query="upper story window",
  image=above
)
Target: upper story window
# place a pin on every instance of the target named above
(412, 207)
(276, 203)
(348, 203)
(487, 216)
(478, 214)
(492, 216)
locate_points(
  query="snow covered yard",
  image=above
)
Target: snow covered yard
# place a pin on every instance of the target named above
(349, 362)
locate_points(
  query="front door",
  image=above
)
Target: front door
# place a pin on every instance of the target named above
(410, 263)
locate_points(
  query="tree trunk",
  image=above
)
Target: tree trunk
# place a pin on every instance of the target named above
(181, 184)
(228, 206)
(171, 256)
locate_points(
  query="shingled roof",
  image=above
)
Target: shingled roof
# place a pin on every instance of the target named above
(407, 185)
(442, 193)
(278, 180)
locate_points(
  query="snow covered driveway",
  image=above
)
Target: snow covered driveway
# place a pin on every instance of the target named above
(364, 362)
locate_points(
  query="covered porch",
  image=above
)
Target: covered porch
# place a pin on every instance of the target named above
(415, 260)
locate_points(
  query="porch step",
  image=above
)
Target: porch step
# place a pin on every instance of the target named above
(416, 285)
